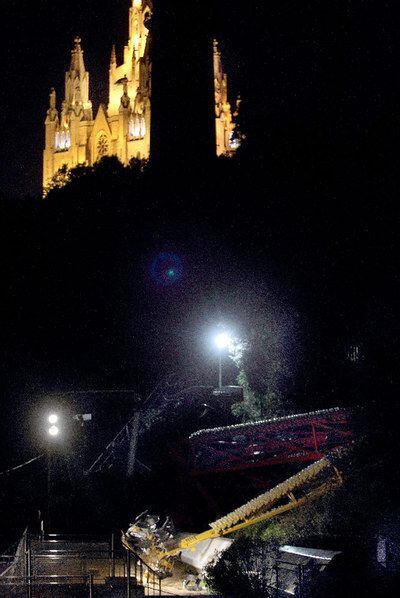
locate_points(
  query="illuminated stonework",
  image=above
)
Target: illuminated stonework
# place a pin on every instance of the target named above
(102, 146)
(227, 142)
(122, 128)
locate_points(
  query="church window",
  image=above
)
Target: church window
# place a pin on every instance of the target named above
(132, 128)
(62, 140)
(137, 127)
(102, 146)
(142, 127)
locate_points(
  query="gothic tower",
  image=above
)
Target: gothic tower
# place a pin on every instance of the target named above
(122, 128)
(129, 114)
(224, 120)
(67, 134)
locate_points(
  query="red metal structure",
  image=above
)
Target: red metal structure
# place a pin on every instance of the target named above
(296, 438)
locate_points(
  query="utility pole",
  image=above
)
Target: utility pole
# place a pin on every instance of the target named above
(49, 485)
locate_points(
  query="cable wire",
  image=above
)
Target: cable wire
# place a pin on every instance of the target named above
(11, 469)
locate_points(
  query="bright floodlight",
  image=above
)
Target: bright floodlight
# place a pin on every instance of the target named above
(53, 418)
(54, 431)
(223, 340)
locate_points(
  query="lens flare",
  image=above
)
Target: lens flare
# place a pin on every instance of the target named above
(166, 269)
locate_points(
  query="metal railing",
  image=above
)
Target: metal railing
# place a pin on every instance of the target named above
(74, 566)
(145, 576)
(35, 586)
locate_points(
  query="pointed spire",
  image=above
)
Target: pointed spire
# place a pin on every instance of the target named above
(113, 60)
(52, 112)
(77, 84)
(77, 63)
(52, 98)
(217, 61)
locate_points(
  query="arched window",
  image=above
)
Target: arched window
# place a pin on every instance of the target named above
(137, 126)
(62, 140)
(142, 127)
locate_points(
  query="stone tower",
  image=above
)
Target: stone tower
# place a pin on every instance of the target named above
(224, 119)
(122, 128)
(68, 132)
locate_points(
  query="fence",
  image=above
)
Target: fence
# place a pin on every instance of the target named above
(289, 578)
(74, 566)
(46, 586)
(145, 576)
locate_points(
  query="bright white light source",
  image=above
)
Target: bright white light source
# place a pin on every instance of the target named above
(54, 431)
(223, 340)
(53, 418)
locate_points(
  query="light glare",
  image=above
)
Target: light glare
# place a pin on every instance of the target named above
(54, 430)
(53, 418)
(223, 340)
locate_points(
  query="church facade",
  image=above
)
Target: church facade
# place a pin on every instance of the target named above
(122, 128)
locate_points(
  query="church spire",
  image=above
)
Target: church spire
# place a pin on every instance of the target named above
(77, 84)
(113, 59)
(52, 111)
(77, 63)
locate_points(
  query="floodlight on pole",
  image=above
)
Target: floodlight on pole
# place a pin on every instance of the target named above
(222, 341)
(54, 430)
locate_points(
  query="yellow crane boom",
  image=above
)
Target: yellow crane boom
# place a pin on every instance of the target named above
(314, 481)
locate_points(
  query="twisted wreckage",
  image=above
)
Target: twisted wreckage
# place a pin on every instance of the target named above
(305, 437)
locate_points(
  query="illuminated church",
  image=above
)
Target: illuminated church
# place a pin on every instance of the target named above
(122, 129)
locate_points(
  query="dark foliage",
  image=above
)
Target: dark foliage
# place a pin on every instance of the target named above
(352, 574)
(246, 569)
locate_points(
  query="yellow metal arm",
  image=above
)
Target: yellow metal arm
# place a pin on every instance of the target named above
(252, 512)
(310, 483)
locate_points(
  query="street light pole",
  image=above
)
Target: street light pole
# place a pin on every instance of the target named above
(49, 488)
(222, 341)
(53, 432)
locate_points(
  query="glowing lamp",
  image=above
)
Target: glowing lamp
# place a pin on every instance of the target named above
(223, 340)
(54, 431)
(53, 418)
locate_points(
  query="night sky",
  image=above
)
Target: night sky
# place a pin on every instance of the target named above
(319, 82)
